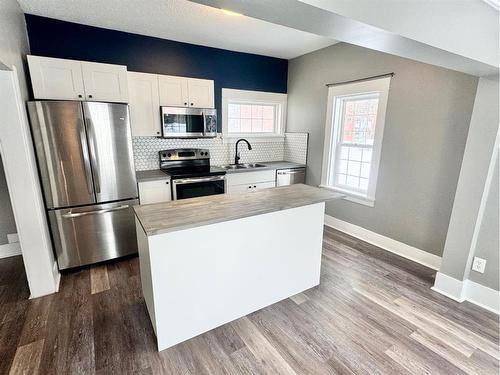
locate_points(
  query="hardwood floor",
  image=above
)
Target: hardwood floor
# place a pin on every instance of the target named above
(373, 313)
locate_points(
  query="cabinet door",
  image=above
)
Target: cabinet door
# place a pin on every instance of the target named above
(263, 185)
(144, 103)
(251, 178)
(105, 82)
(237, 189)
(56, 78)
(201, 93)
(173, 91)
(154, 191)
(245, 188)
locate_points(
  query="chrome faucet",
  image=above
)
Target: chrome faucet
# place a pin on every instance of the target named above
(237, 155)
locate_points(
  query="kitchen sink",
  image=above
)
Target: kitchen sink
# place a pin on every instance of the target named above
(242, 166)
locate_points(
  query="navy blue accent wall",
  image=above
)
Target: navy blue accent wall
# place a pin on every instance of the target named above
(236, 70)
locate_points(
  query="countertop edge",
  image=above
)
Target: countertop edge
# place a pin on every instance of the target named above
(231, 218)
(157, 174)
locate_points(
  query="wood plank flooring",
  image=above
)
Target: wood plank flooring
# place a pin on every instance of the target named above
(373, 313)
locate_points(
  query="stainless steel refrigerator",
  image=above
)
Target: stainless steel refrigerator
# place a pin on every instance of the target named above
(84, 152)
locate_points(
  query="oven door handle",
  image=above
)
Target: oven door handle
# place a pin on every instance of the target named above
(194, 180)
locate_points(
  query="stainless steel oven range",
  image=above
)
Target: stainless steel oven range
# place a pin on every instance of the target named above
(191, 173)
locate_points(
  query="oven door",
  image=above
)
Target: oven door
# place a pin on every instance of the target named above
(182, 122)
(198, 187)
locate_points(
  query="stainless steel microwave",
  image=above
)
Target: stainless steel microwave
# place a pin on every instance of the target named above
(178, 122)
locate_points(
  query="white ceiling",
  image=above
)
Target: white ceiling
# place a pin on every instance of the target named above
(184, 21)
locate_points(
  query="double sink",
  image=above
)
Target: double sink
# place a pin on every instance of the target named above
(242, 166)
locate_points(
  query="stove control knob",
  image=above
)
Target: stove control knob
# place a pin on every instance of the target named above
(169, 155)
(164, 155)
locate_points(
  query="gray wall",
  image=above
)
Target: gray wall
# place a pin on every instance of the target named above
(487, 246)
(14, 40)
(428, 115)
(7, 222)
(13, 48)
(476, 161)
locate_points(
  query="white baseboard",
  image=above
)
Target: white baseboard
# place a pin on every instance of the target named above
(468, 290)
(449, 287)
(10, 250)
(12, 237)
(482, 296)
(386, 243)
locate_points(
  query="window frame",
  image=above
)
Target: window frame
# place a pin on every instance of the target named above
(278, 100)
(380, 86)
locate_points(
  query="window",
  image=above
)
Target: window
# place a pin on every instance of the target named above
(353, 138)
(253, 114)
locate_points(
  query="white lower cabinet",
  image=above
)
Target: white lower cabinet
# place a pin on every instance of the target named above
(251, 187)
(154, 191)
(250, 181)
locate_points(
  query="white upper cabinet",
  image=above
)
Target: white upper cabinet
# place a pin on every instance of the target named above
(173, 91)
(201, 93)
(105, 82)
(144, 103)
(56, 78)
(77, 80)
(186, 92)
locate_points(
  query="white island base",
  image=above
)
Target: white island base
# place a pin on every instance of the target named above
(197, 279)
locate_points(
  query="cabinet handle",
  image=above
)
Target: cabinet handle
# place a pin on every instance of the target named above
(192, 104)
(254, 186)
(90, 96)
(157, 132)
(80, 96)
(185, 103)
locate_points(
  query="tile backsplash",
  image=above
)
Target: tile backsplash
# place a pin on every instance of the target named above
(292, 148)
(295, 148)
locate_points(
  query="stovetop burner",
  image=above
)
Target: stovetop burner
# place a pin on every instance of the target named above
(186, 163)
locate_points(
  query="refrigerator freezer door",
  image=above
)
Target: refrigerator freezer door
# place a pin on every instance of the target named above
(91, 234)
(62, 152)
(110, 145)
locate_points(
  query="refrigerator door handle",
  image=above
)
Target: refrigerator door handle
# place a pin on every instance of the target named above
(86, 160)
(93, 153)
(97, 212)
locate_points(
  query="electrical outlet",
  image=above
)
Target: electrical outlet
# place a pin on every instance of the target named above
(479, 264)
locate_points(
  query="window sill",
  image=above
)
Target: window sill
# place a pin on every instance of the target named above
(352, 197)
(254, 137)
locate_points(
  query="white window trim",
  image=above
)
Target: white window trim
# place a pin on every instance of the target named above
(242, 96)
(379, 85)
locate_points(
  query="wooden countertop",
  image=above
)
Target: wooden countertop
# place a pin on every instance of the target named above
(190, 213)
(151, 175)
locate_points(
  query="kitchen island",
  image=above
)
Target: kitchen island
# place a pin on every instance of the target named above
(207, 261)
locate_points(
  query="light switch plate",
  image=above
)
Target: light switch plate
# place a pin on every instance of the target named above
(479, 264)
